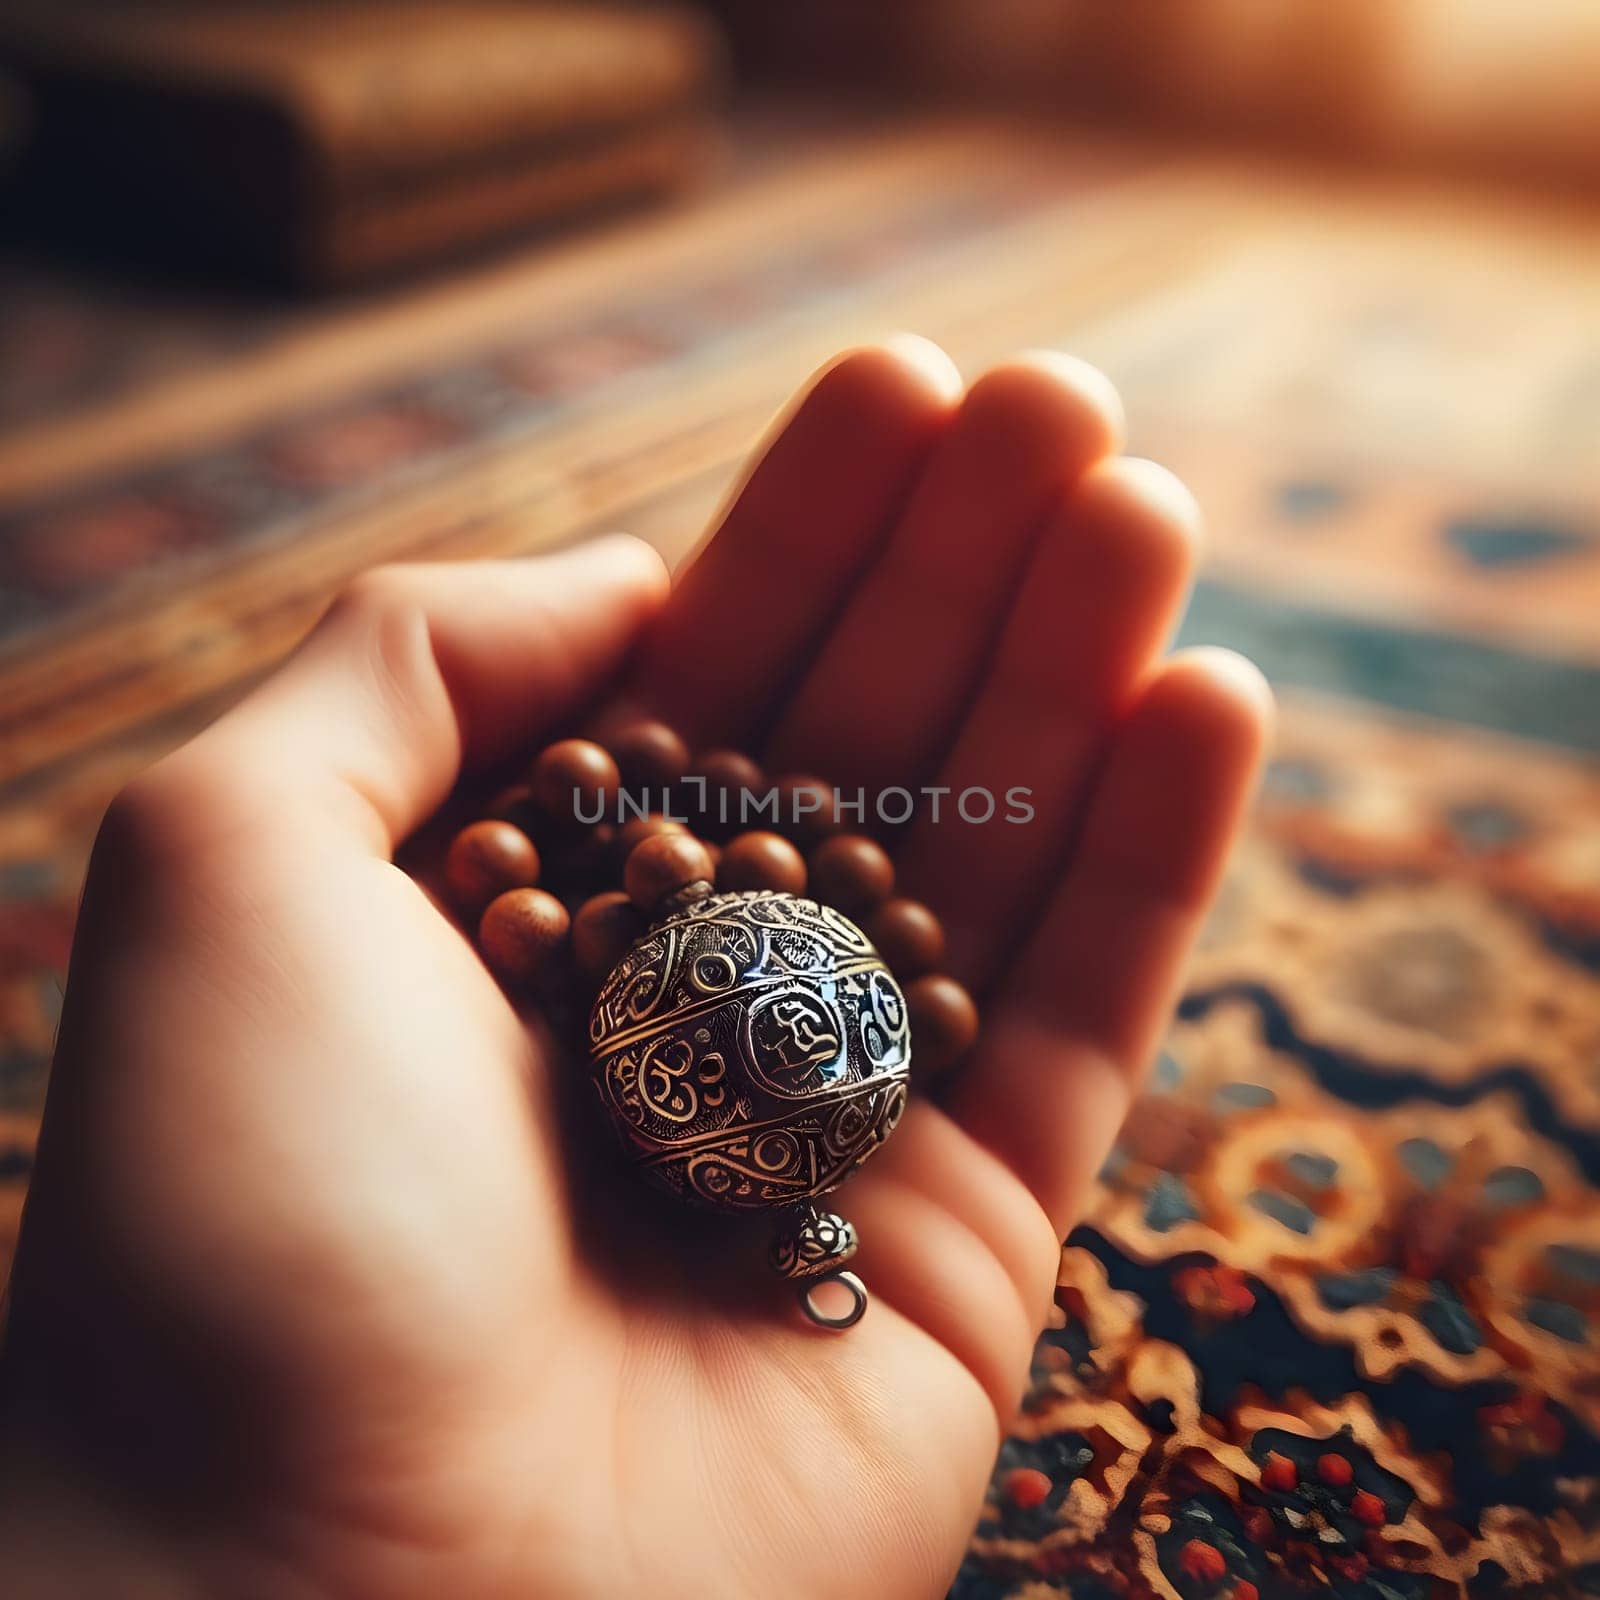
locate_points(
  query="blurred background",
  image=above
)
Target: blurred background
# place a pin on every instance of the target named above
(287, 290)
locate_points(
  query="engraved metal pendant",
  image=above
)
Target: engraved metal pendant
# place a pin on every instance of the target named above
(751, 1051)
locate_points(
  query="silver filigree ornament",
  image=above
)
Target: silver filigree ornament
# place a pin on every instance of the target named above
(751, 1051)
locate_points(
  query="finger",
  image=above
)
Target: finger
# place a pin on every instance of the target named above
(816, 507)
(412, 672)
(1100, 596)
(891, 683)
(953, 1241)
(1080, 1015)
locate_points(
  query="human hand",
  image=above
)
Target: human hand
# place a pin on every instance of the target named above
(322, 1292)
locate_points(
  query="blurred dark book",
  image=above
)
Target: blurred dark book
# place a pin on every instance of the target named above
(334, 141)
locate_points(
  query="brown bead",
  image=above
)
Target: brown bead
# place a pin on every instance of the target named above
(852, 872)
(663, 865)
(807, 807)
(636, 830)
(944, 1022)
(761, 861)
(521, 932)
(727, 769)
(728, 775)
(486, 859)
(575, 775)
(514, 803)
(603, 932)
(908, 936)
(584, 862)
(649, 755)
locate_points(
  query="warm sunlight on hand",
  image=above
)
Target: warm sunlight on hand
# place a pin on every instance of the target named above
(321, 1290)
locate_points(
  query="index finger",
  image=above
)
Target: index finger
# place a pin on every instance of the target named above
(817, 506)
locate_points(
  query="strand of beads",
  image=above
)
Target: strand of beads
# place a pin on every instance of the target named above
(551, 893)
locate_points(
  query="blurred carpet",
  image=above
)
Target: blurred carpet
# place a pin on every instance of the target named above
(1332, 1325)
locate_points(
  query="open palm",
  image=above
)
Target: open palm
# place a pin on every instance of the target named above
(323, 1289)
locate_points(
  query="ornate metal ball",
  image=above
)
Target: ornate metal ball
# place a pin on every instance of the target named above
(751, 1051)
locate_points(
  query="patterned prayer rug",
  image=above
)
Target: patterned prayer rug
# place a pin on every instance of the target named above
(1332, 1323)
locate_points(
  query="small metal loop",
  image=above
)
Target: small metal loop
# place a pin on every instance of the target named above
(850, 1318)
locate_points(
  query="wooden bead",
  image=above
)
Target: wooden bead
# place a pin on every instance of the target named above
(515, 804)
(649, 755)
(761, 861)
(664, 865)
(908, 936)
(521, 932)
(573, 775)
(636, 830)
(807, 807)
(486, 859)
(728, 775)
(728, 769)
(944, 1023)
(852, 872)
(603, 932)
(583, 863)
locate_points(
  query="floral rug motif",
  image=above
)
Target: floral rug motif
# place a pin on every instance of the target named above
(1331, 1325)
